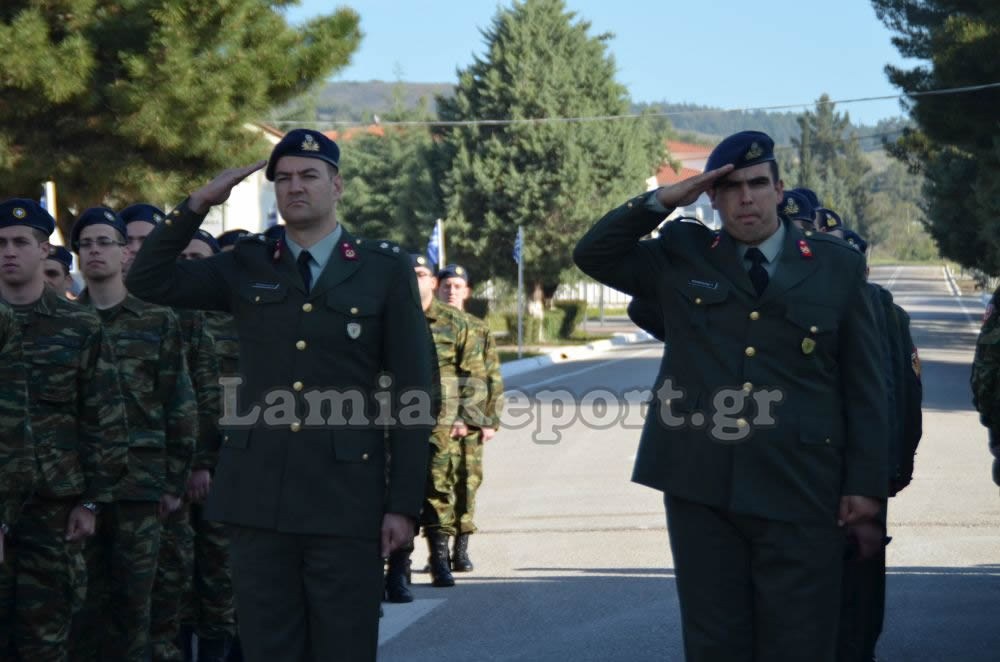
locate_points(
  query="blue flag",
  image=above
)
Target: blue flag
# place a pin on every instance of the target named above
(434, 243)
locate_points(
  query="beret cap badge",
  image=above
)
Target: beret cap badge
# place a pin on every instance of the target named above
(754, 152)
(791, 207)
(108, 215)
(309, 144)
(19, 212)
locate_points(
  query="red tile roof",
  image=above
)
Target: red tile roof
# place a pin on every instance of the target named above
(354, 131)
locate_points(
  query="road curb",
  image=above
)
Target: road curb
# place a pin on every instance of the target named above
(569, 353)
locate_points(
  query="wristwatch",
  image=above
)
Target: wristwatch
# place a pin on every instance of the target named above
(92, 507)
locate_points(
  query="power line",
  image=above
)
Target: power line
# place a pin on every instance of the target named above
(628, 116)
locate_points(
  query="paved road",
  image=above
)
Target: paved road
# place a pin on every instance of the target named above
(572, 560)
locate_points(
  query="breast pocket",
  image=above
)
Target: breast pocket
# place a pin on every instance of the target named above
(813, 329)
(138, 362)
(53, 386)
(264, 301)
(355, 320)
(701, 309)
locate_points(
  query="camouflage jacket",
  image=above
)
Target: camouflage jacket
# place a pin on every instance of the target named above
(74, 401)
(484, 396)
(17, 457)
(159, 401)
(203, 364)
(985, 379)
(222, 328)
(457, 359)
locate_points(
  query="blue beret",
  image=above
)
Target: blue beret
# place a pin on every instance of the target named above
(61, 254)
(743, 149)
(810, 195)
(796, 206)
(230, 237)
(854, 239)
(96, 216)
(304, 142)
(142, 212)
(275, 232)
(23, 211)
(418, 260)
(828, 220)
(201, 235)
(454, 271)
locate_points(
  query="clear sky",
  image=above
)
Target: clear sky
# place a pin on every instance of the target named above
(723, 53)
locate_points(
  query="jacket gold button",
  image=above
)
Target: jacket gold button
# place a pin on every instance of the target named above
(295, 427)
(750, 351)
(748, 387)
(741, 422)
(755, 316)
(813, 329)
(168, 222)
(307, 307)
(256, 299)
(225, 437)
(364, 456)
(697, 300)
(297, 386)
(354, 311)
(300, 344)
(809, 233)
(827, 440)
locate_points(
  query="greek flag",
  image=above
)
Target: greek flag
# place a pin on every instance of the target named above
(518, 242)
(434, 243)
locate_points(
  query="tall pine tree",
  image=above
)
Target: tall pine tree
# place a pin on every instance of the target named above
(957, 143)
(141, 99)
(554, 178)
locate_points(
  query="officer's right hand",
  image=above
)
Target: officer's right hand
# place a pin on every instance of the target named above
(199, 485)
(81, 524)
(168, 504)
(217, 191)
(459, 430)
(686, 191)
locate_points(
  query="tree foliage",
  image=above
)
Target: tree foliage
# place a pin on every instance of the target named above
(139, 99)
(956, 145)
(554, 178)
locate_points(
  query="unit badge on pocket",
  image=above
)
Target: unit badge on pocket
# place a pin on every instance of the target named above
(353, 330)
(808, 345)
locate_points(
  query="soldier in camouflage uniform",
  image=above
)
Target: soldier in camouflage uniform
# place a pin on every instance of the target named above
(160, 407)
(207, 608)
(482, 402)
(17, 457)
(57, 268)
(985, 378)
(176, 563)
(454, 338)
(78, 424)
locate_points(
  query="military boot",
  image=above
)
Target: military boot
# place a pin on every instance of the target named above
(397, 578)
(460, 561)
(441, 576)
(212, 650)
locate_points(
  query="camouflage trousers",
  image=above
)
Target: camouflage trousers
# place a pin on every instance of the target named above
(43, 582)
(208, 599)
(173, 571)
(121, 567)
(469, 478)
(440, 497)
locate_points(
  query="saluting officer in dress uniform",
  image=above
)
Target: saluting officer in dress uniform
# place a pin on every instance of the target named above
(754, 512)
(319, 310)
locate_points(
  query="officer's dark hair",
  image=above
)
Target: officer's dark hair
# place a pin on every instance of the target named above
(774, 171)
(39, 236)
(62, 266)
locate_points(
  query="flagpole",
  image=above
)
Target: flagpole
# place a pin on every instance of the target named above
(441, 261)
(520, 292)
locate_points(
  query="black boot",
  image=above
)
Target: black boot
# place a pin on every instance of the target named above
(212, 650)
(397, 578)
(440, 571)
(185, 642)
(460, 561)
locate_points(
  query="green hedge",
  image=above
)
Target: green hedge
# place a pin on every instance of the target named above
(559, 322)
(573, 311)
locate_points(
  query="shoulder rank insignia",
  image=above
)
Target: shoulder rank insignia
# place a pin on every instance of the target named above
(718, 238)
(347, 251)
(309, 144)
(754, 152)
(805, 250)
(278, 247)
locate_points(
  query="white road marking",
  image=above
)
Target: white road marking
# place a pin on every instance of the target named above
(955, 292)
(895, 275)
(398, 617)
(602, 364)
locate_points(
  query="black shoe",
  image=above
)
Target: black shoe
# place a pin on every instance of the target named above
(461, 562)
(441, 576)
(397, 578)
(213, 650)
